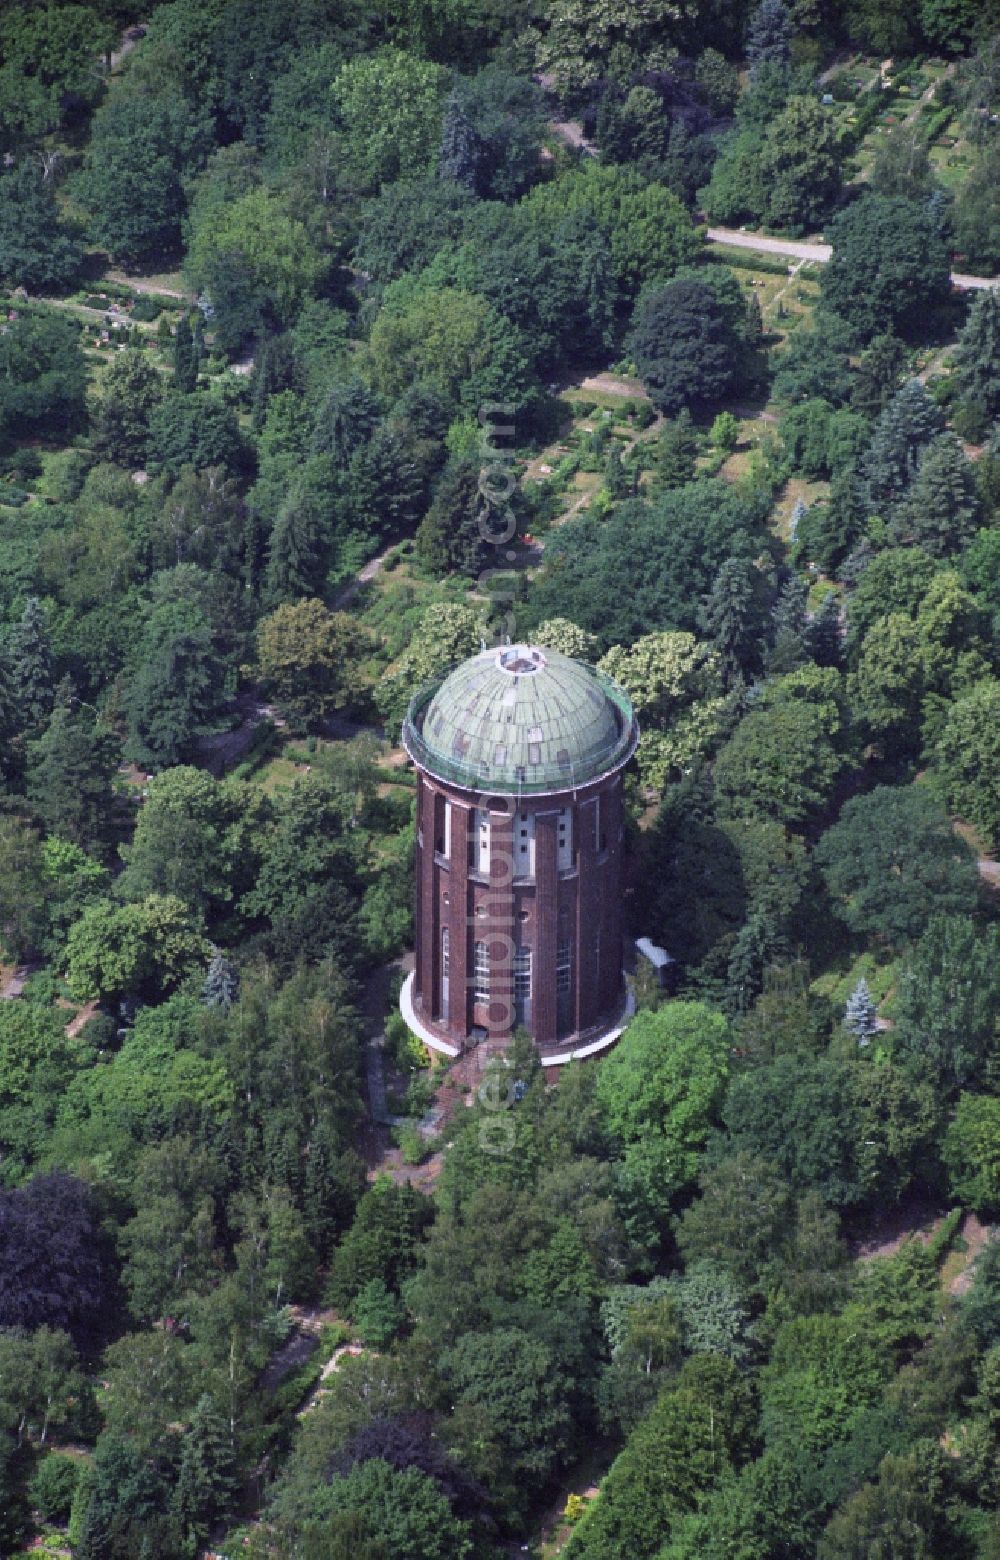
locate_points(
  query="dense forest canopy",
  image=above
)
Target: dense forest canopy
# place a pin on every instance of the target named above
(337, 339)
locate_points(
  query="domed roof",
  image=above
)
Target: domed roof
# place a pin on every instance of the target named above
(521, 719)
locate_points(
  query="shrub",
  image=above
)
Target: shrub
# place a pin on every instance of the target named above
(147, 309)
(54, 1484)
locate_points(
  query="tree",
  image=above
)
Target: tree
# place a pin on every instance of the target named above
(698, 1430)
(658, 1093)
(889, 265)
(23, 889)
(977, 212)
(176, 686)
(308, 658)
(492, 133)
(782, 761)
(860, 1014)
(949, 1002)
(898, 1518)
(36, 251)
(905, 429)
(404, 1511)
(445, 636)
(53, 1267)
(970, 1153)
(390, 108)
(733, 617)
(206, 1487)
(769, 36)
(197, 430)
(141, 146)
(676, 449)
(461, 529)
(70, 772)
(183, 843)
(133, 949)
(902, 168)
(509, 1385)
(580, 41)
(120, 1504)
(646, 228)
(254, 261)
(968, 756)
(879, 370)
(800, 164)
(130, 392)
(940, 512)
(674, 685)
(222, 983)
(977, 359)
(688, 342)
(562, 635)
(892, 858)
(185, 358)
(50, 64)
(29, 653)
(43, 373)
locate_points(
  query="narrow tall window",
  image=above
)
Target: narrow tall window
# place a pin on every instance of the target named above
(564, 839)
(522, 975)
(564, 967)
(445, 973)
(480, 840)
(481, 973)
(447, 831)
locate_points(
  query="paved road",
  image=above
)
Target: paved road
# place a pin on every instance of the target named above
(795, 250)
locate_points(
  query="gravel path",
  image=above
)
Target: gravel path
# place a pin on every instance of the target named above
(796, 250)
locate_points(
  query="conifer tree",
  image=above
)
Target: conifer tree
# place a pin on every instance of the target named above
(908, 424)
(731, 616)
(977, 358)
(206, 1481)
(823, 635)
(941, 510)
(675, 454)
(222, 984)
(185, 360)
(30, 660)
(860, 1014)
(769, 36)
(788, 627)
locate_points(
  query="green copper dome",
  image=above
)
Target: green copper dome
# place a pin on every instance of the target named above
(521, 719)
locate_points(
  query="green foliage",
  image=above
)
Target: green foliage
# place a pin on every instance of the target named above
(42, 372)
(692, 340)
(308, 659)
(131, 183)
(390, 106)
(967, 758)
(891, 858)
(889, 264)
(658, 1094)
(697, 1431)
(151, 945)
(36, 251)
(53, 1486)
(948, 1006)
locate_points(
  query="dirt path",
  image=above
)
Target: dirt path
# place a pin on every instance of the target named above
(928, 94)
(138, 285)
(976, 1237)
(615, 384)
(16, 982)
(85, 1014)
(346, 594)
